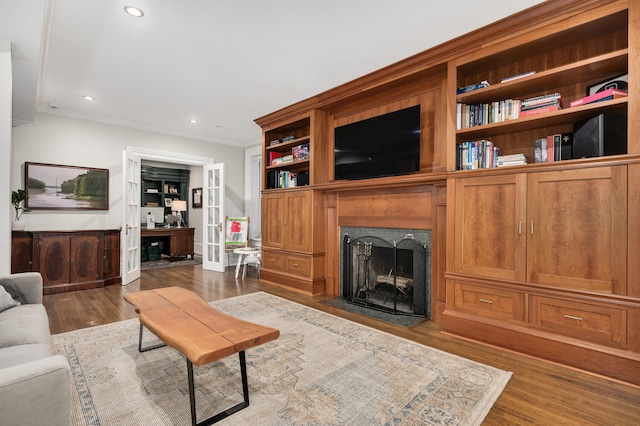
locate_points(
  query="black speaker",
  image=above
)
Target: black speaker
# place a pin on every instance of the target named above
(272, 179)
(303, 178)
(605, 134)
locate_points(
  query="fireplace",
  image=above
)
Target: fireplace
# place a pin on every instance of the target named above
(387, 269)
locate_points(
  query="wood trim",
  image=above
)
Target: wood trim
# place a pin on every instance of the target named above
(609, 362)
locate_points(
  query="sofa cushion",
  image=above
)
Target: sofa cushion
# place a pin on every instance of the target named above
(24, 324)
(6, 301)
(16, 355)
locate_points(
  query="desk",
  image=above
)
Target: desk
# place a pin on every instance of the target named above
(244, 251)
(180, 240)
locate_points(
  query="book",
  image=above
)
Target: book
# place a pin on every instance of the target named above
(300, 152)
(517, 76)
(271, 156)
(540, 110)
(550, 149)
(473, 87)
(605, 95)
(557, 147)
(512, 157)
(537, 151)
(511, 163)
(541, 101)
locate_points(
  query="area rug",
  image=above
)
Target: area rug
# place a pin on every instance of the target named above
(323, 370)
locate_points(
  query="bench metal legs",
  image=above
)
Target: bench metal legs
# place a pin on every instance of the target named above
(148, 348)
(226, 413)
(192, 397)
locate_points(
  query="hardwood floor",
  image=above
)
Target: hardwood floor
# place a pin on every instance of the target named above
(539, 393)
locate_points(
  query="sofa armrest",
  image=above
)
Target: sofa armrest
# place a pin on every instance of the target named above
(25, 287)
(36, 393)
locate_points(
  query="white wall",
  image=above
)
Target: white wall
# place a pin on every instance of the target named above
(55, 139)
(6, 209)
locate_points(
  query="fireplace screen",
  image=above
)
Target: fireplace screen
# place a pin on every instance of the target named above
(384, 275)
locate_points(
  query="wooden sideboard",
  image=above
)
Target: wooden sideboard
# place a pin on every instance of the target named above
(180, 240)
(68, 260)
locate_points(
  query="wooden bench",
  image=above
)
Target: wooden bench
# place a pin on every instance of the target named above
(202, 334)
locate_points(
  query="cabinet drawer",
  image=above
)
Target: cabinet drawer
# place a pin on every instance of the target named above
(299, 265)
(272, 260)
(489, 302)
(592, 322)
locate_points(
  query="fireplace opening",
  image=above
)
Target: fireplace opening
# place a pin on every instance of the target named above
(387, 275)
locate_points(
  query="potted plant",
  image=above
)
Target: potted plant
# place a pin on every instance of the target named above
(17, 198)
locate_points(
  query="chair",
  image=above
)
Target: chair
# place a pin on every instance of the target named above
(252, 259)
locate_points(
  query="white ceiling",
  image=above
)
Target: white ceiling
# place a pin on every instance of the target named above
(223, 63)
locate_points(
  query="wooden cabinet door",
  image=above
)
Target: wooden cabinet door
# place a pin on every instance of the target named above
(273, 215)
(53, 255)
(111, 268)
(84, 258)
(298, 220)
(489, 228)
(21, 252)
(577, 229)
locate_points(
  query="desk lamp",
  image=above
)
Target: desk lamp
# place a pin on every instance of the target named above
(179, 206)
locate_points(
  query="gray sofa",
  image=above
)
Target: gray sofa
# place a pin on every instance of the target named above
(35, 384)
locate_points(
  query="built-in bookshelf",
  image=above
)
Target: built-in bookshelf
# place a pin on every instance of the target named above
(566, 63)
(287, 155)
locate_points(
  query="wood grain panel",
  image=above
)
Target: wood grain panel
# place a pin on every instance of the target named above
(489, 216)
(577, 222)
(402, 208)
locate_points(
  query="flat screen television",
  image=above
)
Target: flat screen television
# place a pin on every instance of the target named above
(386, 145)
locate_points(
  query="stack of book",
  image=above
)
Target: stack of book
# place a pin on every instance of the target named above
(541, 104)
(511, 160)
(480, 154)
(472, 87)
(605, 95)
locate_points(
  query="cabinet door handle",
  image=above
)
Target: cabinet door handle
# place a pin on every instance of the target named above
(295, 265)
(531, 227)
(520, 228)
(573, 317)
(284, 220)
(487, 301)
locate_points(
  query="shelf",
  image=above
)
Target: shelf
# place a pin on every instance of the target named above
(563, 116)
(288, 144)
(599, 67)
(292, 165)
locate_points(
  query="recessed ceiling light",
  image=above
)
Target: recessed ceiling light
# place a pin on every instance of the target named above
(134, 11)
(192, 121)
(88, 98)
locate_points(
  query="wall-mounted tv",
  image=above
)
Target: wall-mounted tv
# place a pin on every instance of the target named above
(386, 145)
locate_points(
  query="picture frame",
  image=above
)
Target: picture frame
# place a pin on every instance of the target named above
(61, 187)
(196, 198)
(168, 202)
(618, 82)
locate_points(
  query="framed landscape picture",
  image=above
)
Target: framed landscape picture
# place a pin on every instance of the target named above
(57, 187)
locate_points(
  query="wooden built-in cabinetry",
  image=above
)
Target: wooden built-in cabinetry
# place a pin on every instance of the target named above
(541, 258)
(292, 248)
(68, 260)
